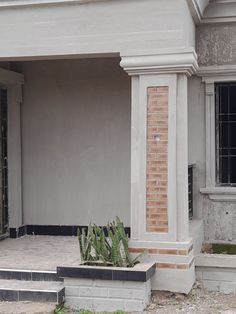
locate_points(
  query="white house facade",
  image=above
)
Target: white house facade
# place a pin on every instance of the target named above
(121, 108)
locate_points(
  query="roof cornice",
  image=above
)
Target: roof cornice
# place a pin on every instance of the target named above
(197, 8)
(220, 11)
(29, 3)
(175, 62)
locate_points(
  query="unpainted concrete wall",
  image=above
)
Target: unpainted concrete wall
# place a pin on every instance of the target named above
(216, 44)
(219, 220)
(75, 142)
(217, 279)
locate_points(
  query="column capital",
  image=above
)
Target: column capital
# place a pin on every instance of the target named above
(170, 62)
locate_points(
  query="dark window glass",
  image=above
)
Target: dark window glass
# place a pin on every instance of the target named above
(226, 133)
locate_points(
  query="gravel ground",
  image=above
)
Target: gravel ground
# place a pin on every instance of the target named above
(198, 301)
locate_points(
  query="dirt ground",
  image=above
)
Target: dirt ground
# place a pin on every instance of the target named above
(198, 301)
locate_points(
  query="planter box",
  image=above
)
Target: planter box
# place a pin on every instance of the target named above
(107, 289)
(217, 272)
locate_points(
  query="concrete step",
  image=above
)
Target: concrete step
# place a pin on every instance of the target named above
(35, 291)
(31, 275)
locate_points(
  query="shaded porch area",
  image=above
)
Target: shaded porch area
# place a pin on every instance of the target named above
(96, 144)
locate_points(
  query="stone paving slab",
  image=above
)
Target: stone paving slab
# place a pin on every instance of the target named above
(39, 252)
(26, 308)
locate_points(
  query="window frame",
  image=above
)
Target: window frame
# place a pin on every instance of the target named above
(211, 75)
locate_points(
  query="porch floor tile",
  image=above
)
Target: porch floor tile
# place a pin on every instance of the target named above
(39, 252)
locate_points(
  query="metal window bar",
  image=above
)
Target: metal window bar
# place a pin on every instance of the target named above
(190, 190)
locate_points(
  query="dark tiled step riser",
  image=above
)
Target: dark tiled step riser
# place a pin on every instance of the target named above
(106, 274)
(29, 276)
(51, 230)
(33, 296)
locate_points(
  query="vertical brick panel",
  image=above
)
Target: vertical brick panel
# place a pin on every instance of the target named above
(157, 160)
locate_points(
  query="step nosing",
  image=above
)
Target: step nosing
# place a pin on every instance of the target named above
(29, 270)
(31, 290)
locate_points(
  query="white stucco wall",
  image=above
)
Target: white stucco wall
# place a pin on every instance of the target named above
(115, 26)
(196, 139)
(75, 142)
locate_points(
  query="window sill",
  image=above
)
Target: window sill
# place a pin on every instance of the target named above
(220, 194)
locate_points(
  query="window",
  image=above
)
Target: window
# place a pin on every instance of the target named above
(225, 101)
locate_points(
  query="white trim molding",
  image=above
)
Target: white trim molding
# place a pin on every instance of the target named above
(184, 62)
(197, 8)
(13, 82)
(216, 260)
(210, 133)
(220, 11)
(29, 3)
(220, 194)
(214, 73)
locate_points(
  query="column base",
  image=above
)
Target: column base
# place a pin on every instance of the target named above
(175, 280)
(175, 270)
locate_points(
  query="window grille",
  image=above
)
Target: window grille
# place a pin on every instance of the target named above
(190, 191)
(225, 94)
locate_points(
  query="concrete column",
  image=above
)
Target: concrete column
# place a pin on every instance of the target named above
(159, 163)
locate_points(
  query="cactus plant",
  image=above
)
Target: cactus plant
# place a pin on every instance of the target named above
(112, 250)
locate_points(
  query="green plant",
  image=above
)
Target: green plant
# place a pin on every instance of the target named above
(84, 312)
(61, 309)
(112, 250)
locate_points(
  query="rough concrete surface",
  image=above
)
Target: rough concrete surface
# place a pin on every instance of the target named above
(219, 221)
(216, 44)
(26, 308)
